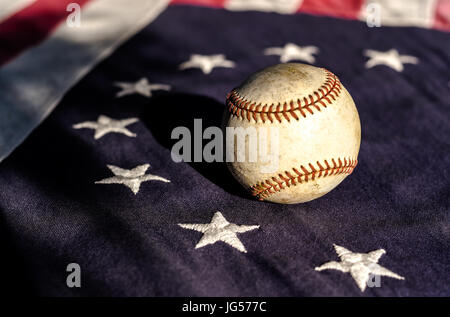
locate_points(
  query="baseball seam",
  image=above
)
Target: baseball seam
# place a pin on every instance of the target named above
(270, 186)
(246, 109)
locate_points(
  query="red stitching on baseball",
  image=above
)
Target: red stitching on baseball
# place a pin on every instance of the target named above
(270, 186)
(240, 107)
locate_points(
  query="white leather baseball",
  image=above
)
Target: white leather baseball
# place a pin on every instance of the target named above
(319, 131)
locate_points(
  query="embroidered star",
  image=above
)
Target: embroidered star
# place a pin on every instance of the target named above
(105, 125)
(207, 62)
(390, 58)
(291, 51)
(131, 178)
(359, 265)
(219, 229)
(142, 87)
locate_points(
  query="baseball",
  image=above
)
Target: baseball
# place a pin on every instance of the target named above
(318, 132)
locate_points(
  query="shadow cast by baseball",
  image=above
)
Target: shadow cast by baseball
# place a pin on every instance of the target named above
(173, 110)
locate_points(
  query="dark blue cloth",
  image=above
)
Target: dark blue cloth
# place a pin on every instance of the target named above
(397, 199)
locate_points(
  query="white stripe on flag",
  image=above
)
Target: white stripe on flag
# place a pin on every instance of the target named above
(34, 83)
(283, 7)
(9, 7)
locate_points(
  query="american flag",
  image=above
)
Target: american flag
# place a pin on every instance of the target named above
(92, 202)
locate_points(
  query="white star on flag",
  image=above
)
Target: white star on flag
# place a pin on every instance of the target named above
(142, 87)
(219, 229)
(359, 265)
(291, 51)
(389, 58)
(132, 178)
(207, 62)
(105, 125)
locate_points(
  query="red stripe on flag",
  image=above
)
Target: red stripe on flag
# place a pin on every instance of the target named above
(31, 25)
(206, 3)
(348, 9)
(442, 15)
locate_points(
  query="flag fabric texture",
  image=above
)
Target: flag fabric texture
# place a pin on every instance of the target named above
(87, 177)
